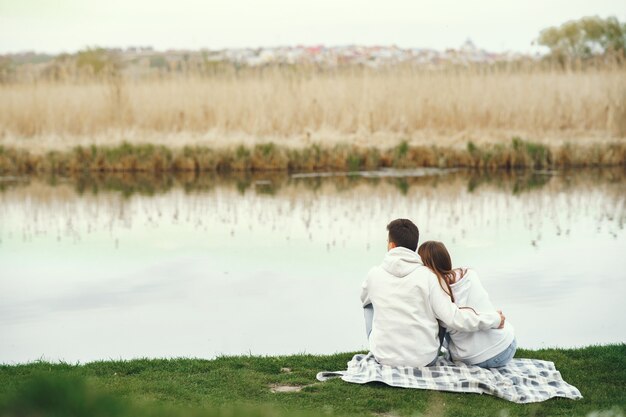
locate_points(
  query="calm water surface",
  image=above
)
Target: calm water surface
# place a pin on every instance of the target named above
(131, 266)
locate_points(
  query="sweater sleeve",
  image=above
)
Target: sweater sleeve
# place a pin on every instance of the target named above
(365, 297)
(460, 319)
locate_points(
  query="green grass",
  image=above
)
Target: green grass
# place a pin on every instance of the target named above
(268, 157)
(237, 386)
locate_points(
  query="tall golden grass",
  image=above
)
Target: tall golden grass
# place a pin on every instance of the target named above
(366, 107)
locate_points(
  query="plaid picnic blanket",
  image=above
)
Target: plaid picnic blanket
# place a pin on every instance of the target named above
(520, 381)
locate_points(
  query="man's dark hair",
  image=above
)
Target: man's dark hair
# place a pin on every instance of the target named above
(403, 232)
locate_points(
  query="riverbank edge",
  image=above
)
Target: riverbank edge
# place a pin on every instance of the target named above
(128, 157)
(212, 387)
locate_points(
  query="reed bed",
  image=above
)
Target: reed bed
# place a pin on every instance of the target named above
(291, 108)
(271, 157)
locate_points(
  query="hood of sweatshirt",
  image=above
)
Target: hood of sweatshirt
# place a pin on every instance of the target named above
(400, 262)
(463, 285)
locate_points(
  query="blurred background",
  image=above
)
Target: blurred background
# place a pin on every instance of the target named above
(199, 178)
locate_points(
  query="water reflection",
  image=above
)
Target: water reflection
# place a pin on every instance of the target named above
(129, 184)
(187, 265)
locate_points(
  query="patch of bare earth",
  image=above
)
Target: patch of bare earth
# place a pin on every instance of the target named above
(276, 388)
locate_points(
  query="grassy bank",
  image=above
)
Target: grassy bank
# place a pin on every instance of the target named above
(271, 157)
(247, 385)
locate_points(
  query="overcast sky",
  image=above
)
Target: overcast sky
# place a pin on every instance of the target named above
(496, 25)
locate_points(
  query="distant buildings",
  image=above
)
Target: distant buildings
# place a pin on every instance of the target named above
(142, 61)
(372, 56)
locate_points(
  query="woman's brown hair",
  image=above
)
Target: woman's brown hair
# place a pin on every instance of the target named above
(435, 256)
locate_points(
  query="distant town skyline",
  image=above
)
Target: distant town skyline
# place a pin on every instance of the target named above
(495, 25)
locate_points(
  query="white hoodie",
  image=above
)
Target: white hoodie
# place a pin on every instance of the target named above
(476, 347)
(407, 301)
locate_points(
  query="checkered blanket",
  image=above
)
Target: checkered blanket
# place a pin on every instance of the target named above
(520, 381)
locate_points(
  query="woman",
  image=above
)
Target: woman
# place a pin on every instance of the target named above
(490, 348)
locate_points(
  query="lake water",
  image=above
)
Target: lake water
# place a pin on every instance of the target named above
(197, 266)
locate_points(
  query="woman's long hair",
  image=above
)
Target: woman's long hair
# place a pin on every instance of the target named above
(435, 256)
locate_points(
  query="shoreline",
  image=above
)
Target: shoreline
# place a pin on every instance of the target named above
(316, 157)
(265, 386)
(273, 358)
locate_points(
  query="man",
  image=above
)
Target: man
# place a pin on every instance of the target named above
(407, 300)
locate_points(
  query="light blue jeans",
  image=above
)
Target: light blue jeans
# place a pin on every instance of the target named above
(368, 312)
(500, 359)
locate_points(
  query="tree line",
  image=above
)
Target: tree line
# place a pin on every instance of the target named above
(586, 38)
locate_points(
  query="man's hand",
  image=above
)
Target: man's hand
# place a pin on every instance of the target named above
(502, 319)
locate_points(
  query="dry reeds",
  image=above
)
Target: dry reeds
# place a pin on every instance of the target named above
(376, 108)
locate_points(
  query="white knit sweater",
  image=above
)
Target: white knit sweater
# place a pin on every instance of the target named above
(476, 347)
(407, 301)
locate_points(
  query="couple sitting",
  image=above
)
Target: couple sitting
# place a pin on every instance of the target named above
(413, 301)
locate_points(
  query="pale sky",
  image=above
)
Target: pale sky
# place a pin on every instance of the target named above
(496, 25)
